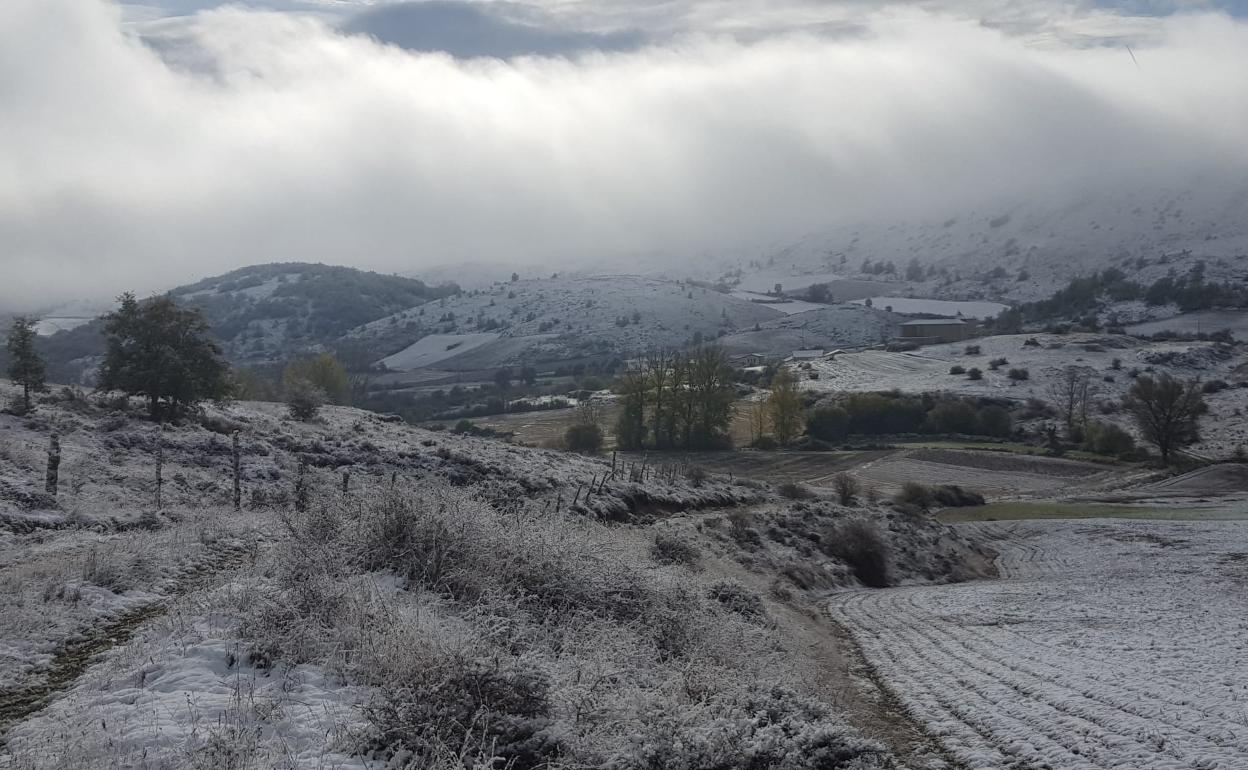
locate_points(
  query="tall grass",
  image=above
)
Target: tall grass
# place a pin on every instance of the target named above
(526, 640)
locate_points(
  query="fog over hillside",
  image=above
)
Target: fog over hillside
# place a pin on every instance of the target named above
(162, 142)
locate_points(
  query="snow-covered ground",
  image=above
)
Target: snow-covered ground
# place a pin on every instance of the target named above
(1106, 644)
(1205, 321)
(951, 308)
(928, 370)
(429, 350)
(787, 306)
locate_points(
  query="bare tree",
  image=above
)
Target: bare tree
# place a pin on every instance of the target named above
(847, 488)
(1166, 411)
(785, 403)
(759, 414)
(1071, 394)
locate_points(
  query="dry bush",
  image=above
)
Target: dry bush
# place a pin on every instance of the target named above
(847, 488)
(523, 640)
(697, 475)
(795, 491)
(671, 549)
(735, 597)
(859, 544)
(954, 496)
(916, 494)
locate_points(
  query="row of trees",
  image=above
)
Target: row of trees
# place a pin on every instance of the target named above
(676, 401)
(1165, 411)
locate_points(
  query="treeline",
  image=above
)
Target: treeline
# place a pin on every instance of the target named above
(676, 401)
(1084, 295)
(892, 413)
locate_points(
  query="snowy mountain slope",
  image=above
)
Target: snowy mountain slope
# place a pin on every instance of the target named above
(1049, 242)
(568, 318)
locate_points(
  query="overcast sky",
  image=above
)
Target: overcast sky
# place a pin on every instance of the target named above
(144, 145)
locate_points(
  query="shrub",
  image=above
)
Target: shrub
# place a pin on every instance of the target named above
(954, 496)
(995, 421)
(1214, 386)
(670, 549)
(1108, 439)
(914, 493)
(304, 400)
(974, 373)
(766, 443)
(877, 413)
(997, 363)
(829, 423)
(847, 488)
(742, 532)
(697, 475)
(734, 597)
(957, 369)
(795, 491)
(584, 437)
(1018, 375)
(859, 544)
(972, 350)
(953, 416)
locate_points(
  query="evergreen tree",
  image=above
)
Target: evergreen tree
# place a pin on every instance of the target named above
(162, 352)
(25, 366)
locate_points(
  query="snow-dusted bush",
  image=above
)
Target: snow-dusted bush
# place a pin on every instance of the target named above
(304, 400)
(859, 544)
(795, 491)
(671, 549)
(914, 493)
(735, 597)
(524, 640)
(775, 729)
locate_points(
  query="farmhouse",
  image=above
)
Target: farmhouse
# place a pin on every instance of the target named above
(929, 331)
(746, 360)
(807, 355)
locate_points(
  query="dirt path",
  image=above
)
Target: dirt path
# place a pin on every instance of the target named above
(838, 670)
(73, 658)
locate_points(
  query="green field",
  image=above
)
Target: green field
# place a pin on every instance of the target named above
(1010, 511)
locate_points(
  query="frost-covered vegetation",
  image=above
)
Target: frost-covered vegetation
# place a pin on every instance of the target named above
(394, 597)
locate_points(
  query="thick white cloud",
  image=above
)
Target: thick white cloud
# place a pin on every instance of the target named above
(295, 142)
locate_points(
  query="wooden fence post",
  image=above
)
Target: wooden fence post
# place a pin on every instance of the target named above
(301, 487)
(160, 465)
(53, 477)
(238, 481)
(346, 483)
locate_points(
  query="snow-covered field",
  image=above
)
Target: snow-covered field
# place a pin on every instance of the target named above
(951, 308)
(434, 348)
(1205, 321)
(927, 370)
(1105, 644)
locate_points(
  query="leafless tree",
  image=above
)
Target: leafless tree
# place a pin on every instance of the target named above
(1166, 411)
(1071, 394)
